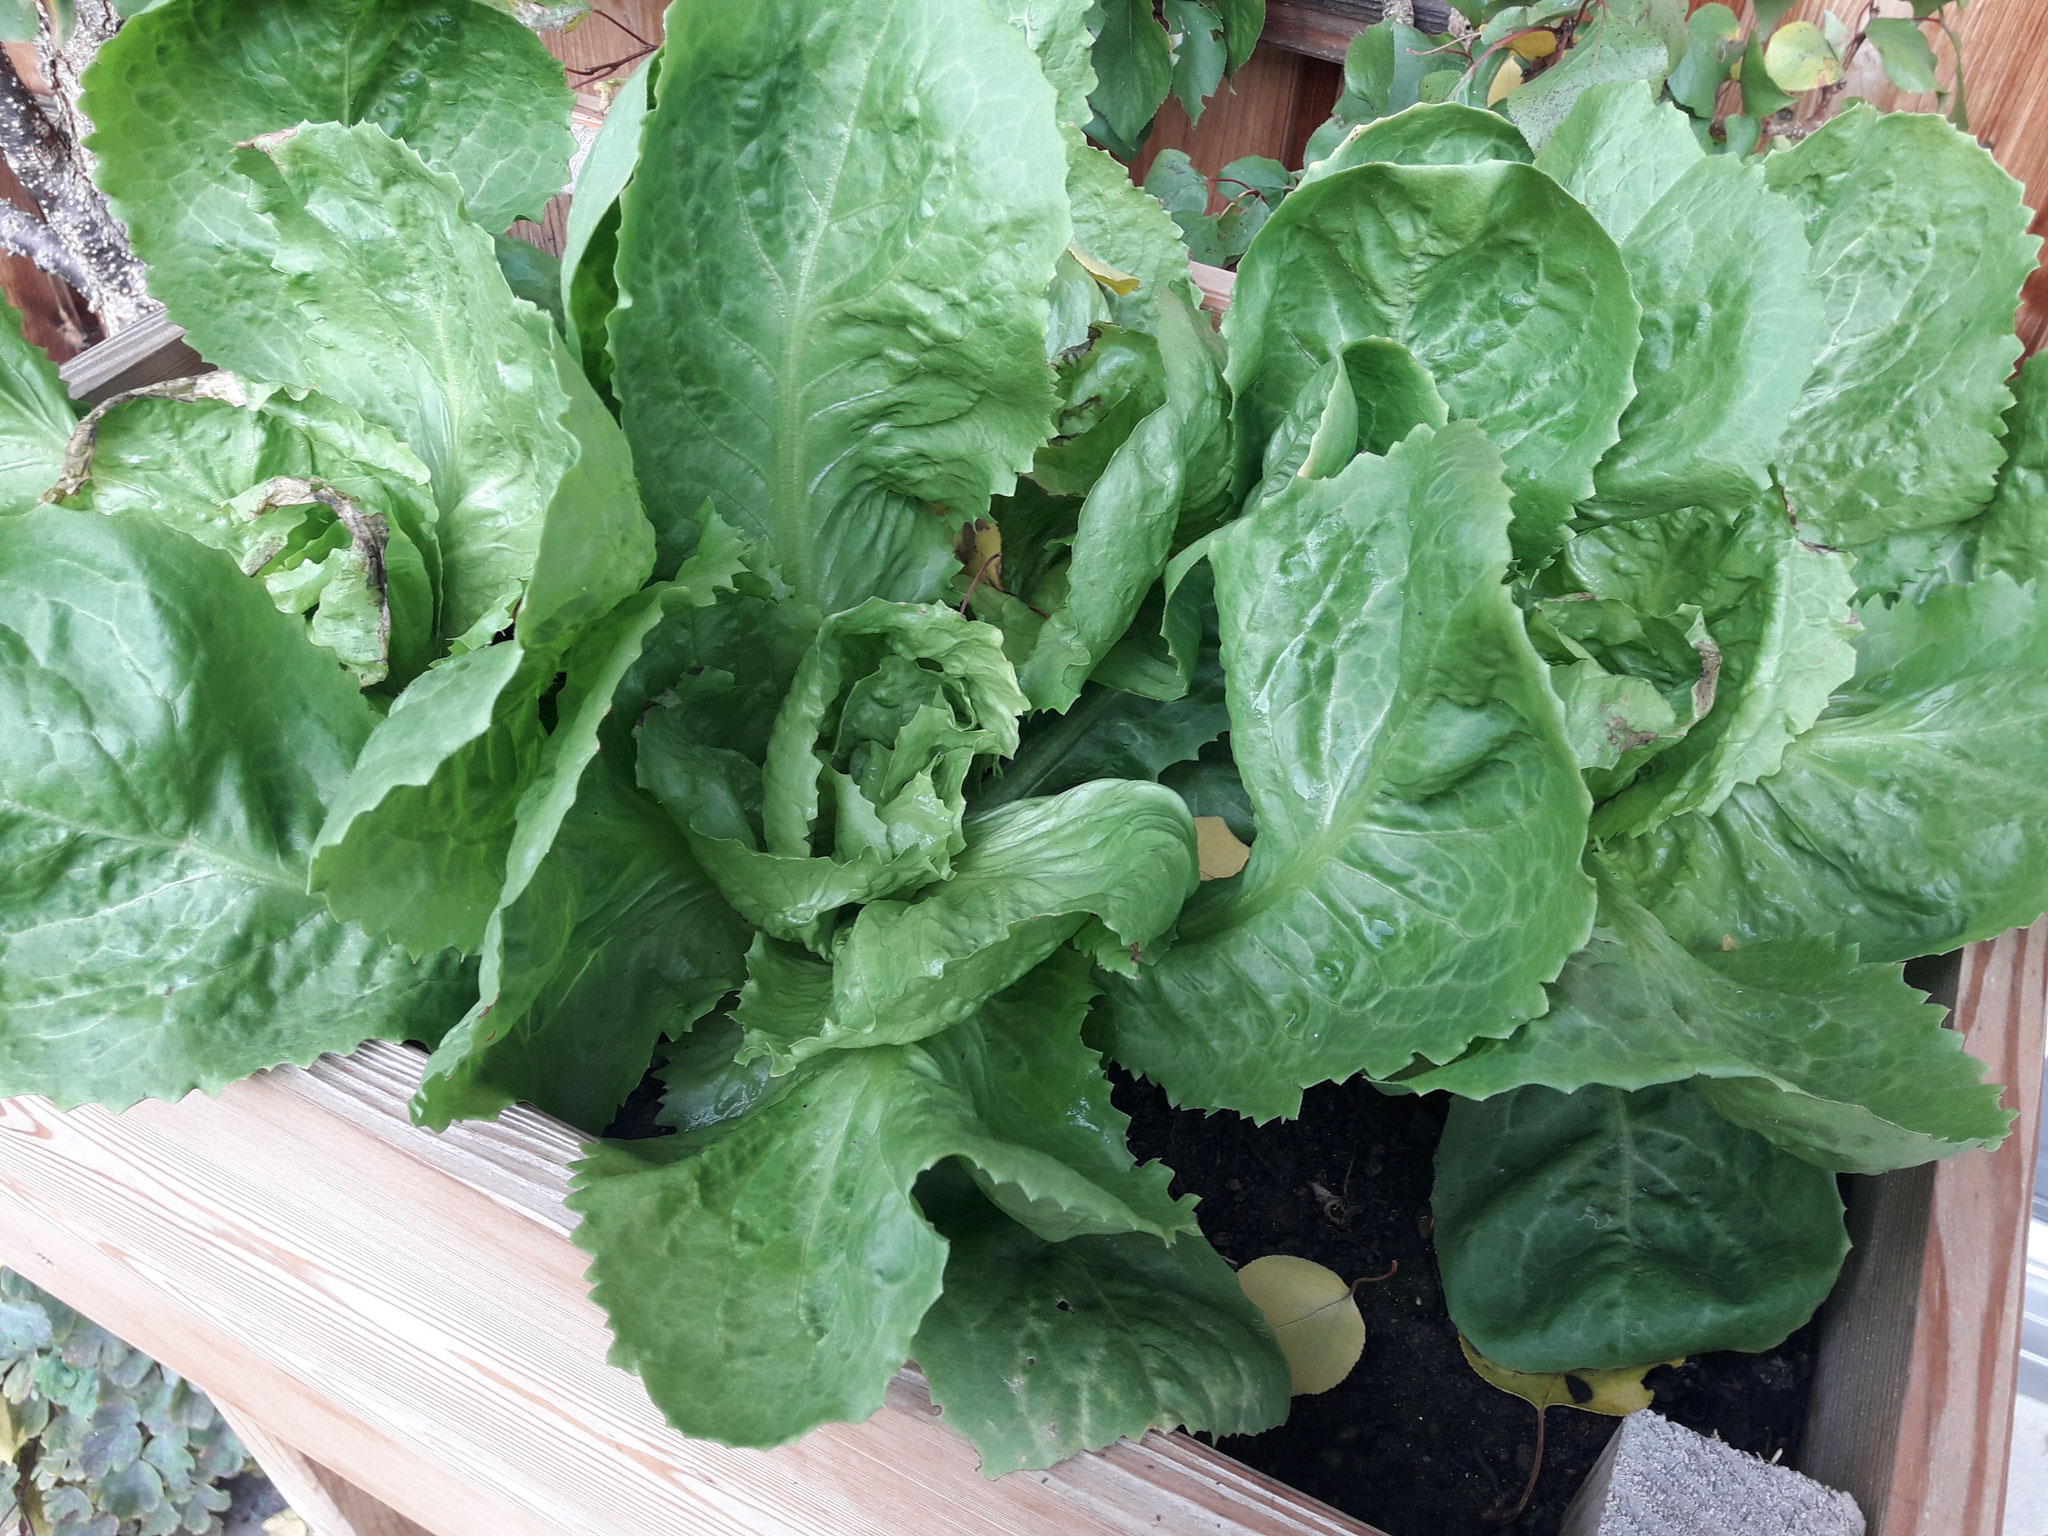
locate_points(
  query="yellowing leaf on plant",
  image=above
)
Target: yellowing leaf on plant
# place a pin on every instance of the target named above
(1799, 58)
(1218, 848)
(1616, 1393)
(1509, 77)
(1539, 44)
(1114, 279)
(1312, 1313)
(980, 549)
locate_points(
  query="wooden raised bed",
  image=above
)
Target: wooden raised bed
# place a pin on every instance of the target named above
(400, 1318)
(398, 1322)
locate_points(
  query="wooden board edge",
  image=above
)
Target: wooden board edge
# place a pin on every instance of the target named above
(1918, 1359)
(1309, 29)
(148, 352)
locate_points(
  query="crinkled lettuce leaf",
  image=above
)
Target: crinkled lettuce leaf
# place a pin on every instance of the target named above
(156, 935)
(1908, 820)
(767, 1273)
(832, 266)
(1107, 863)
(1420, 815)
(1500, 284)
(1038, 1350)
(1897, 431)
(1837, 1062)
(36, 417)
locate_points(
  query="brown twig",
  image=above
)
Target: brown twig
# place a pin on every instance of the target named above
(1499, 1516)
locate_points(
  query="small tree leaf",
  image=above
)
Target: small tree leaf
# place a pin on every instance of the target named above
(1615, 1393)
(1313, 1315)
(1908, 60)
(1799, 58)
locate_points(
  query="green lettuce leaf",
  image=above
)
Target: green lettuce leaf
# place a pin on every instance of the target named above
(1420, 815)
(1032, 876)
(1435, 257)
(1897, 431)
(155, 931)
(418, 331)
(414, 844)
(1778, 610)
(1839, 1063)
(36, 417)
(1607, 49)
(233, 464)
(1428, 133)
(1606, 1230)
(768, 1273)
(1618, 151)
(863, 787)
(1037, 1350)
(1108, 734)
(1125, 527)
(607, 935)
(590, 241)
(1909, 820)
(2011, 534)
(832, 290)
(1057, 31)
(174, 93)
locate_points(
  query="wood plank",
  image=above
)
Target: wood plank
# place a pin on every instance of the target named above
(148, 352)
(1269, 107)
(410, 1307)
(329, 1504)
(1919, 1355)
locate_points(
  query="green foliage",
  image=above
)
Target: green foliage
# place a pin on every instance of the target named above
(1597, 573)
(100, 1439)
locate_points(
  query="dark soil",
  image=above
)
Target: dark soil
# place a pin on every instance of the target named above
(1414, 1442)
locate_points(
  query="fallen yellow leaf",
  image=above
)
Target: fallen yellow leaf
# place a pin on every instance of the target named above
(1221, 854)
(1114, 279)
(1509, 77)
(1616, 1393)
(1540, 44)
(1312, 1314)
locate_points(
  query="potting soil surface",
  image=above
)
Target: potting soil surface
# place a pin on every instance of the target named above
(1413, 1441)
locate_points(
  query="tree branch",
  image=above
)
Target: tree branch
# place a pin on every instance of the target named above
(22, 233)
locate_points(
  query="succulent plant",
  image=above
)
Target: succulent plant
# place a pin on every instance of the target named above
(99, 1439)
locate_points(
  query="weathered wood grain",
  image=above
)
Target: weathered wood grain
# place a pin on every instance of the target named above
(409, 1308)
(1919, 1353)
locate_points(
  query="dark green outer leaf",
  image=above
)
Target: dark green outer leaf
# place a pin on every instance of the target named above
(1503, 287)
(1920, 270)
(174, 738)
(833, 265)
(36, 417)
(1037, 1350)
(1838, 1063)
(173, 93)
(1601, 1230)
(606, 935)
(769, 1273)
(2012, 533)
(415, 841)
(1420, 816)
(1243, 23)
(1911, 819)
(1199, 57)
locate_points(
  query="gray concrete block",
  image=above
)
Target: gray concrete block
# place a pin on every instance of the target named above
(1659, 1479)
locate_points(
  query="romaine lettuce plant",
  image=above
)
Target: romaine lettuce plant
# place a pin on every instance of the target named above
(1601, 582)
